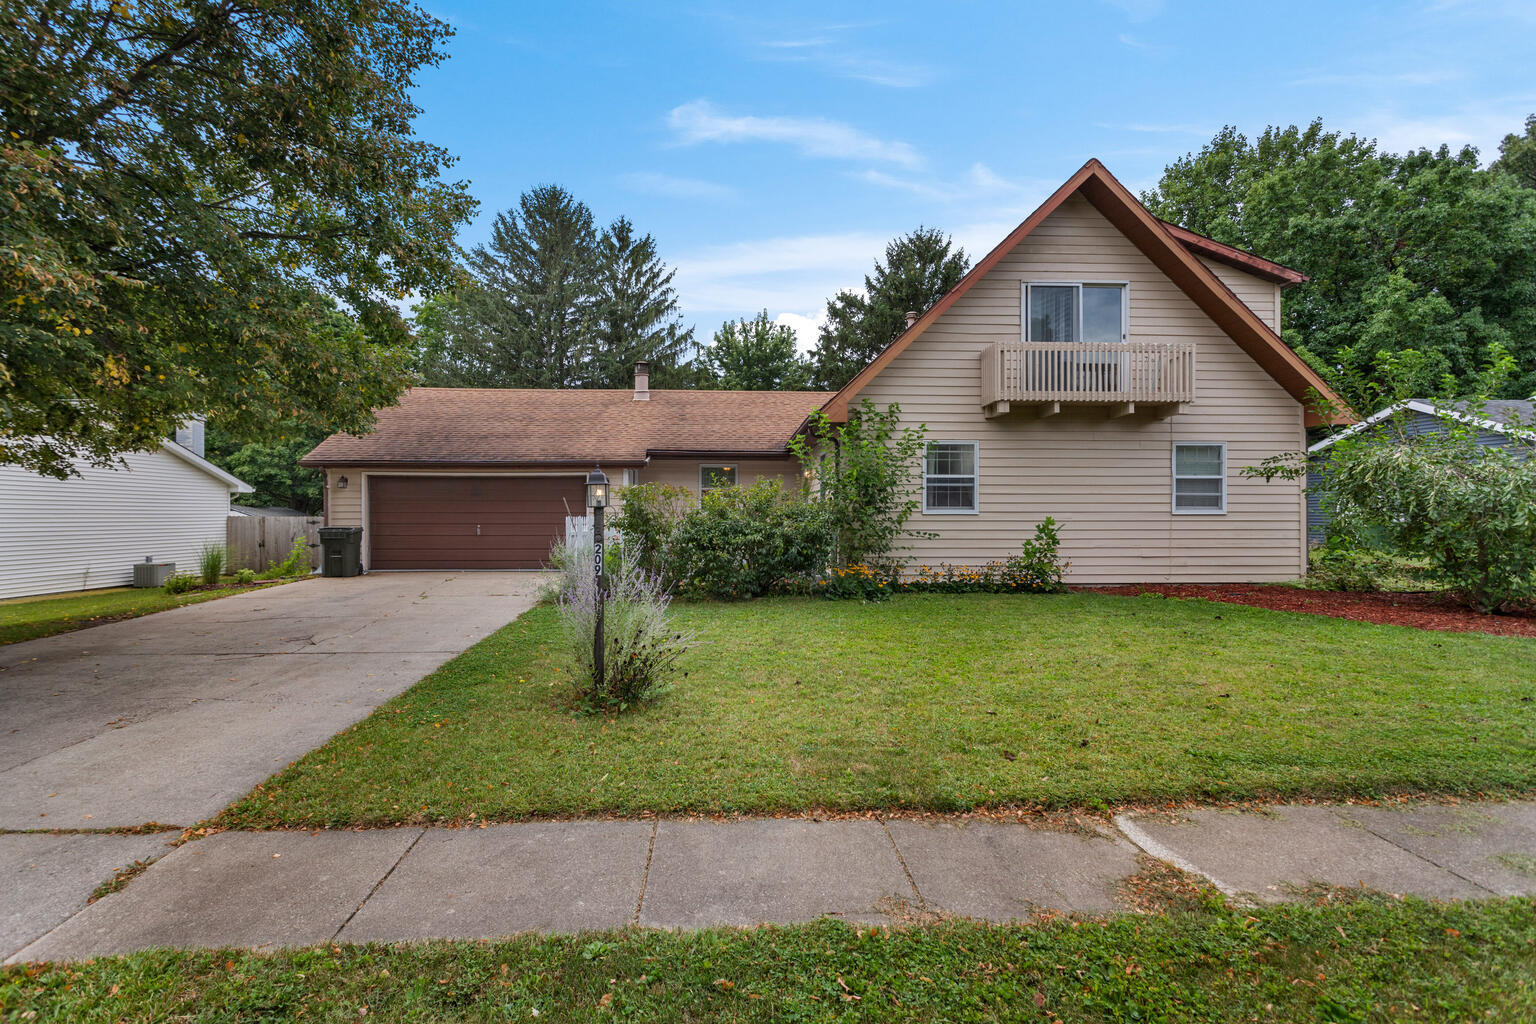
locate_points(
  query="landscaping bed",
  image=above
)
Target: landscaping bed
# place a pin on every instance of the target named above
(1341, 957)
(31, 618)
(937, 702)
(1424, 610)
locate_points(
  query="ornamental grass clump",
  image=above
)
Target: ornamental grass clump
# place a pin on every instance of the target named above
(641, 649)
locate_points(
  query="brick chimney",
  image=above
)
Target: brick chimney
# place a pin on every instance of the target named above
(911, 318)
(642, 382)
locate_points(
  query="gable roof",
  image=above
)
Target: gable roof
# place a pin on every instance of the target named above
(532, 427)
(1173, 257)
(1500, 416)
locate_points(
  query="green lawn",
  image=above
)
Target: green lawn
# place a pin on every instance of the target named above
(942, 702)
(1367, 958)
(33, 617)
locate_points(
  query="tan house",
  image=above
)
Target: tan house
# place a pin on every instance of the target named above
(1099, 365)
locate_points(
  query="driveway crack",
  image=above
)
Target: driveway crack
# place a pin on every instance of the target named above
(922, 902)
(1338, 813)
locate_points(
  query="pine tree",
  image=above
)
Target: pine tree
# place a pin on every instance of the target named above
(919, 269)
(636, 315)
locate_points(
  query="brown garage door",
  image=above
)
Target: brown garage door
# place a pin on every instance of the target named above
(467, 522)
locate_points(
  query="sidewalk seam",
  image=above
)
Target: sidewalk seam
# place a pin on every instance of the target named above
(922, 902)
(645, 874)
(1152, 848)
(1412, 853)
(356, 910)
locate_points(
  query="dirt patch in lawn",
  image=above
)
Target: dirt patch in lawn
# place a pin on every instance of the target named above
(1419, 610)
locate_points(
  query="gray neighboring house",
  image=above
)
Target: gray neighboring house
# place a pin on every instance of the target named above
(1501, 424)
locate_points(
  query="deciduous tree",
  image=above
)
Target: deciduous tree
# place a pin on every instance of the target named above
(756, 355)
(186, 186)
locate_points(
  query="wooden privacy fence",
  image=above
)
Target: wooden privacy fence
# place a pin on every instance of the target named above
(255, 542)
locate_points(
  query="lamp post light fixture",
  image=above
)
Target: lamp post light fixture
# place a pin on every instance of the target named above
(597, 500)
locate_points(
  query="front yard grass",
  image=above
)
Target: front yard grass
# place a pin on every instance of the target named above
(939, 702)
(1365, 958)
(29, 618)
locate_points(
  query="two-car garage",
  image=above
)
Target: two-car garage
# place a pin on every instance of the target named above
(467, 522)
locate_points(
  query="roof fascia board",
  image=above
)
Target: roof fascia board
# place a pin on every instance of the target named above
(1414, 405)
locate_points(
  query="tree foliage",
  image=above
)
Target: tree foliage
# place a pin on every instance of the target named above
(756, 355)
(186, 187)
(864, 471)
(1421, 251)
(272, 467)
(552, 303)
(918, 269)
(1517, 155)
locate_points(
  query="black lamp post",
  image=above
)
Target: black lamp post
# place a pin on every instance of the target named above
(597, 500)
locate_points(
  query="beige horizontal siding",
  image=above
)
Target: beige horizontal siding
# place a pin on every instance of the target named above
(1259, 295)
(1107, 481)
(685, 472)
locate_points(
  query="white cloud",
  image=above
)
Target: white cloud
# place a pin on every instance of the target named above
(1483, 127)
(835, 57)
(700, 121)
(979, 184)
(806, 327)
(674, 187)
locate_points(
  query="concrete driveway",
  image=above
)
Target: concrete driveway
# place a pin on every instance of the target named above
(169, 717)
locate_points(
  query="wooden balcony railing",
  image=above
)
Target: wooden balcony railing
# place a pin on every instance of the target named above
(1120, 373)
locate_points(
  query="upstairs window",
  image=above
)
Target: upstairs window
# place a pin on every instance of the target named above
(1200, 479)
(711, 477)
(1074, 312)
(949, 477)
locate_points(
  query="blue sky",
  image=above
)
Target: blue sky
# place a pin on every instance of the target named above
(774, 149)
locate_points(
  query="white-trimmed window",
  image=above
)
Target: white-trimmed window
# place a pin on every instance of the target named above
(631, 477)
(949, 478)
(1075, 311)
(711, 477)
(1199, 478)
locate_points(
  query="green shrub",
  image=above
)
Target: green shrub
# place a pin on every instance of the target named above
(181, 583)
(210, 563)
(296, 564)
(742, 541)
(1338, 565)
(245, 576)
(865, 471)
(647, 519)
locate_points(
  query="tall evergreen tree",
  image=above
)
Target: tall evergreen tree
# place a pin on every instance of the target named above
(636, 313)
(918, 269)
(1418, 258)
(756, 355)
(551, 303)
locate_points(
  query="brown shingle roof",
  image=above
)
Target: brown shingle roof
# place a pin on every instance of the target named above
(507, 426)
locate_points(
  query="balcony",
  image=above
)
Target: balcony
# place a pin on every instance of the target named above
(1121, 376)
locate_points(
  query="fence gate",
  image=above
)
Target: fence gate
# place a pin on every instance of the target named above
(255, 542)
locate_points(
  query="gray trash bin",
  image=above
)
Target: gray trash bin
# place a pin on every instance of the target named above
(341, 550)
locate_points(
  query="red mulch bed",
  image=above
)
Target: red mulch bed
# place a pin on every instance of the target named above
(1419, 610)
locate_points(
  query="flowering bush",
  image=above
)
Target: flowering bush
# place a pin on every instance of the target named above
(856, 582)
(641, 648)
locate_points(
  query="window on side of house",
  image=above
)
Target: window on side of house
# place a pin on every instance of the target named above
(1075, 312)
(1199, 478)
(949, 478)
(711, 477)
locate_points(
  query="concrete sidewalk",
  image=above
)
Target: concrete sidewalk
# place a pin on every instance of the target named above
(267, 889)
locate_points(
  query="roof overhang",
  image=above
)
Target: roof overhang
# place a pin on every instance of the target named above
(1423, 406)
(234, 483)
(1232, 256)
(574, 465)
(1178, 263)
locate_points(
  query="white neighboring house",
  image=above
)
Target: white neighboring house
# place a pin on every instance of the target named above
(87, 531)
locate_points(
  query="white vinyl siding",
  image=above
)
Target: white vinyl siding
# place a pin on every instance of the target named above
(1106, 480)
(950, 484)
(87, 531)
(1199, 478)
